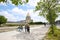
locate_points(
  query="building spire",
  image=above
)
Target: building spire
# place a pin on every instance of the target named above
(28, 14)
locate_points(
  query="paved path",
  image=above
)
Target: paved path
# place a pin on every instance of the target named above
(37, 33)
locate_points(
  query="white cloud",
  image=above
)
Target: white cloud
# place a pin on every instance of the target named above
(17, 10)
(10, 17)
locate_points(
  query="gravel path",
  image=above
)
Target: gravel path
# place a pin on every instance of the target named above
(36, 33)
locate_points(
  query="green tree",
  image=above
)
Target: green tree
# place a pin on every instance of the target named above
(16, 2)
(49, 9)
(2, 20)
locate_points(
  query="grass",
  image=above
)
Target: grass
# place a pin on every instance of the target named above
(55, 36)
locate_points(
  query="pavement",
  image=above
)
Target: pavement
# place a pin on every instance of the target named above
(38, 32)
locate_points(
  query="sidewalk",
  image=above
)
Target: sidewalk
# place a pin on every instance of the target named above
(37, 33)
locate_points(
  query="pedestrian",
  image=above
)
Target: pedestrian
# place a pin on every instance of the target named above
(25, 28)
(28, 29)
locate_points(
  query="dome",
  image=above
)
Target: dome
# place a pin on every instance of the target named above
(28, 18)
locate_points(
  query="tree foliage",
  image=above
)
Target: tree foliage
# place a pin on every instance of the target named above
(49, 9)
(16, 2)
(36, 23)
(2, 20)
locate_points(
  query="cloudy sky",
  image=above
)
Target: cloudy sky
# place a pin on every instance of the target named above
(18, 13)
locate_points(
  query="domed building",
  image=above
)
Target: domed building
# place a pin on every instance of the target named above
(28, 18)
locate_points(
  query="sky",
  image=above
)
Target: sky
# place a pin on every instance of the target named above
(18, 13)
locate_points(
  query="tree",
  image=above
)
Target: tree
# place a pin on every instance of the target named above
(49, 9)
(2, 20)
(16, 2)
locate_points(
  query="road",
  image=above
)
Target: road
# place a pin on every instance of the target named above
(36, 33)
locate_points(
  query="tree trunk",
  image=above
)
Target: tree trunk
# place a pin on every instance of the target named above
(52, 29)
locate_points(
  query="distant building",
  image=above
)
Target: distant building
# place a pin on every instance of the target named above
(27, 20)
